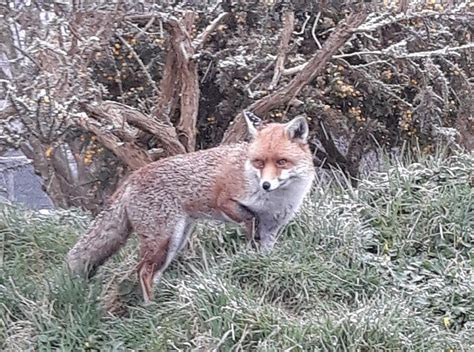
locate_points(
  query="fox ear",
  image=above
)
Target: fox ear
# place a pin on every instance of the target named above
(298, 129)
(253, 122)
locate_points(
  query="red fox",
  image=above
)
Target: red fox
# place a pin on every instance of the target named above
(260, 185)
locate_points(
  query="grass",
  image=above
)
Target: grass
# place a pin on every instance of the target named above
(386, 266)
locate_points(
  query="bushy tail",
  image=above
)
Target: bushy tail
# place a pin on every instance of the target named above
(107, 234)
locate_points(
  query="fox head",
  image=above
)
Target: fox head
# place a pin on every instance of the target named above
(278, 154)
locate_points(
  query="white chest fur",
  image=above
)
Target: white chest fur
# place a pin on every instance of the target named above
(280, 204)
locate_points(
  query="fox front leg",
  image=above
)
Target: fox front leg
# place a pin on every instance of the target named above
(250, 223)
(240, 214)
(267, 233)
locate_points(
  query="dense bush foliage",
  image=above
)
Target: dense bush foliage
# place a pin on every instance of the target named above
(96, 89)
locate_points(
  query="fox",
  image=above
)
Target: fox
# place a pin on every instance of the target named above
(259, 184)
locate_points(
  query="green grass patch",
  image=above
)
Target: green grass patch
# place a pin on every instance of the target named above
(386, 266)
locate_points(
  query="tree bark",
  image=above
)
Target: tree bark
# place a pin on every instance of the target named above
(127, 151)
(36, 151)
(125, 119)
(170, 85)
(186, 67)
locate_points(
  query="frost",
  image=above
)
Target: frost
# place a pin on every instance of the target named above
(238, 60)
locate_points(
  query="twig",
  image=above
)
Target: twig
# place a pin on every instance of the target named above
(313, 30)
(201, 38)
(27, 55)
(162, 32)
(147, 26)
(293, 70)
(218, 3)
(420, 54)
(204, 76)
(303, 27)
(140, 63)
(377, 22)
(371, 63)
(288, 24)
(252, 81)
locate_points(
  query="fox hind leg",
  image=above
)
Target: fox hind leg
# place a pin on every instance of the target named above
(189, 227)
(179, 238)
(153, 253)
(157, 252)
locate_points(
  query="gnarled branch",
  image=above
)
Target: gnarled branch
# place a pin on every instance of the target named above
(128, 152)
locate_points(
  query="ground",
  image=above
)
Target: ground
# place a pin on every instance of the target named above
(386, 266)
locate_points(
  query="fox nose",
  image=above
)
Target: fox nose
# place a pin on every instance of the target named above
(266, 185)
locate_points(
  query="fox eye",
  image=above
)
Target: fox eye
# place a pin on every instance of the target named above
(258, 163)
(281, 162)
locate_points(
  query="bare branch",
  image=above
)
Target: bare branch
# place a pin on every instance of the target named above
(140, 63)
(293, 70)
(313, 30)
(288, 24)
(128, 152)
(377, 21)
(389, 53)
(303, 27)
(248, 87)
(147, 26)
(202, 37)
(164, 132)
(170, 84)
(420, 54)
